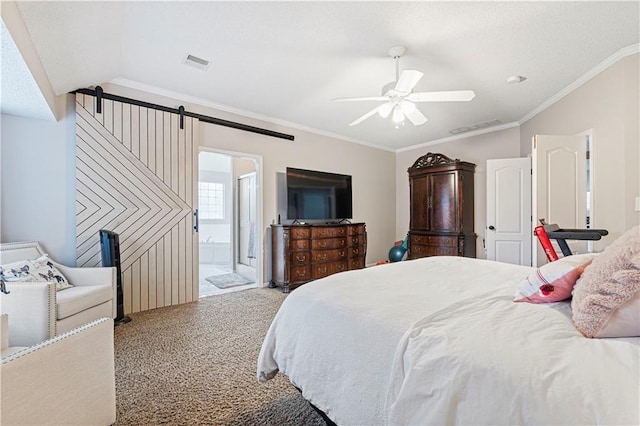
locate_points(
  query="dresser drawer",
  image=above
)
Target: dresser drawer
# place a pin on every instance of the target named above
(329, 255)
(356, 229)
(299, 233)
(356, 251)
(300, 273)
(356, 262)
(321, 270)
(300, 257)
(322, 232)
(431, 240)
(355, 240)
(328, 243)
(426, 251)
(299, 244)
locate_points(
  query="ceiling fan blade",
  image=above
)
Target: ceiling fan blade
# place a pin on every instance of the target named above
(415, 116)
(370, 98)
(408, 79)
(446, 96)
(364, 117)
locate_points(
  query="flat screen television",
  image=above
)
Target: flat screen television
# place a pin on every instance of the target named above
(314, 195)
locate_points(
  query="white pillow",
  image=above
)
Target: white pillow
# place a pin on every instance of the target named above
(37, 270)
(554, 281)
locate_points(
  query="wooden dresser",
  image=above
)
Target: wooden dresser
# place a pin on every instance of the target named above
(441, 207)
(303, 253)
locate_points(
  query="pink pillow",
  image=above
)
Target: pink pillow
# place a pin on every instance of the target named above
(606, 299)
(554, 281)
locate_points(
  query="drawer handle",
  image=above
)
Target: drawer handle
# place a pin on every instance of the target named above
(322, 244)
(302, 273)
(341, 253)
(355, 240)
(322, 270)
(341, 242)
(340, 268)
(323, 256)
(300, 258)
(356, 251)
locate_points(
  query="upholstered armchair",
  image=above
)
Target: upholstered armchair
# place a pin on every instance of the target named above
(39, 312)
(66, 380)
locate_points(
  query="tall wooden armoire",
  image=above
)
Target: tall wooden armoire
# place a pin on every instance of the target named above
(441, 207)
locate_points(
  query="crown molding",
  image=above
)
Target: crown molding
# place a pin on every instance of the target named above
(461, 136)
(620, 54)
(131, 84)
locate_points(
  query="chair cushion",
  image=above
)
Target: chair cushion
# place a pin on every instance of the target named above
(77, 299)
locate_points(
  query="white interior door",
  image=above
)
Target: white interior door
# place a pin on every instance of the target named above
(560, 185)
(508, 233)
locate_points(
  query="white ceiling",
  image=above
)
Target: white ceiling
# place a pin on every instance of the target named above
(286, 61)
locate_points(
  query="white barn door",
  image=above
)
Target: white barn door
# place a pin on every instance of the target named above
(135, 174)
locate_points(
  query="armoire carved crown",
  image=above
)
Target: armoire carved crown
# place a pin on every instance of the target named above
(431, 159)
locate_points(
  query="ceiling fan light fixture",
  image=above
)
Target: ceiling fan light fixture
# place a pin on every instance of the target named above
(398, 115)
(399, 96)
(385, 110)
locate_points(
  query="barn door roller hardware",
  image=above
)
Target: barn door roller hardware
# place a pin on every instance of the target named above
(100, 95)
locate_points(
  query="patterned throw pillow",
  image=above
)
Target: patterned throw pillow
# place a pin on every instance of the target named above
(16, 272)
(554, 281)
(40, 269)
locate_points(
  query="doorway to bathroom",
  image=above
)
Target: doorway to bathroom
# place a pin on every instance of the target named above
(227, 216)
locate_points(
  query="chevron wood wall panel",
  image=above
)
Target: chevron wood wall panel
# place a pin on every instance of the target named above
(136, 175)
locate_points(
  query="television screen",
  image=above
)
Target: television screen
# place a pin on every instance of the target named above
(313, 195)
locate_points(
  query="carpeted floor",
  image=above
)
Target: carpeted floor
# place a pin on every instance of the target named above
(195, 364)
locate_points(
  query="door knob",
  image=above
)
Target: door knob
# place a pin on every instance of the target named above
(492, 227)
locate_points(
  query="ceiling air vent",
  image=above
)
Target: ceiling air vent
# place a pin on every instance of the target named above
(194, 61)
(475, 127)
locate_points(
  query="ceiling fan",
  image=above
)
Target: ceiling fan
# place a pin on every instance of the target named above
(399, 98)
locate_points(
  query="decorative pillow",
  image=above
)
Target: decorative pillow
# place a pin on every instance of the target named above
(40, 269)
(606, 299)
(554, 281)
(17, 271)
(44, 270)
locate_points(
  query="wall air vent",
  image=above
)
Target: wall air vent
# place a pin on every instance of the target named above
(475, 127)
(194, 61)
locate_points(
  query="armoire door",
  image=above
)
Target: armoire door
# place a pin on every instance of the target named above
(420, 189)
(443, 202)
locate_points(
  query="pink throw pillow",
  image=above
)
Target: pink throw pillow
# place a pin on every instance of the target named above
(554, 281)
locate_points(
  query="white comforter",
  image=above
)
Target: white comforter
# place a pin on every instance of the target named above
(439, 341)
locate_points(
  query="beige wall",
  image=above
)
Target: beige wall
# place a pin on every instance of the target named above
(608, 104)
(372, 169)
(474, 149)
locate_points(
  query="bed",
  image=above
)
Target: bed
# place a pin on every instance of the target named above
(440, 341)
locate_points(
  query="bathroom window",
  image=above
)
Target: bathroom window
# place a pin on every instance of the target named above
(211, 200)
